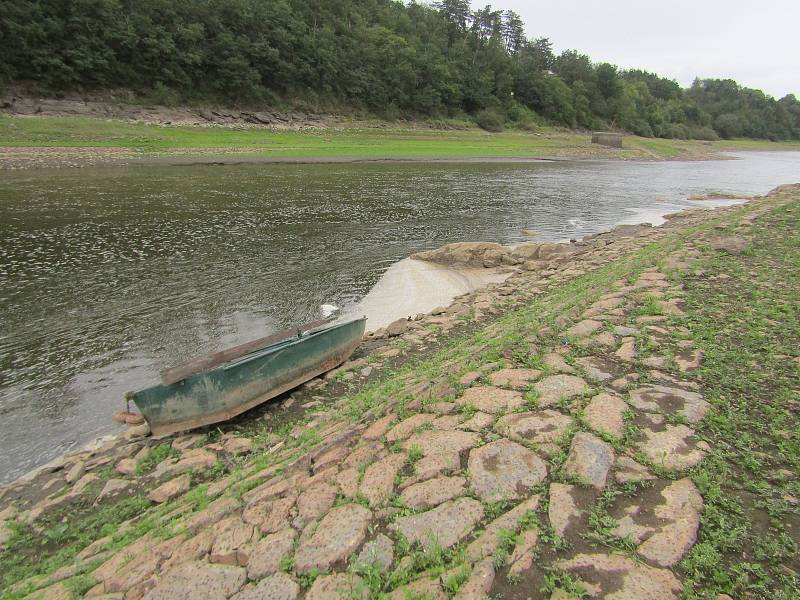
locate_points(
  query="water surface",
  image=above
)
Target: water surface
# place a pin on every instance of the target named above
(108, 275)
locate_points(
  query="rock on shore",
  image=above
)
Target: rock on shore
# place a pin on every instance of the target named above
(491, 254)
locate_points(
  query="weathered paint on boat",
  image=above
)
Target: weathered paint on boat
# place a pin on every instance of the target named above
(222, 393)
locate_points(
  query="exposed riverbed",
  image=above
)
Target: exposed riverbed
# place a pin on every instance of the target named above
(108, 275)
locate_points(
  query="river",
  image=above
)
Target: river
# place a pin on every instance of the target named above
(108, 275)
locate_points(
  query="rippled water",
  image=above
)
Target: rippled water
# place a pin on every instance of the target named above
(108, 275)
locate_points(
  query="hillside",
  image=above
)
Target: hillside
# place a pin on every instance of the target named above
(380, 57)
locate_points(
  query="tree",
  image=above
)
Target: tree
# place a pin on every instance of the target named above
(513, 30)
(540, 53)
(572, 66)
(487, 24)
(457, 14)
(728, 125)
(608, 81)
(387, 57)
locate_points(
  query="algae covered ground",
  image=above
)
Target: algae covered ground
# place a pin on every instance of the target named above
(79, 141)
(618, 422)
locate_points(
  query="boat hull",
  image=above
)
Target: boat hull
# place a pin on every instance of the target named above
(223, 393)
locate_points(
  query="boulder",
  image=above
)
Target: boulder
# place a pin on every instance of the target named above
(446, 524)
(597, 369)
(379, 428)
(589, 460)
(627, 527)
(379, 551)
(478, 422)
(584, 328)
(237, 445)
(433, 465)
(522, 558)
(314, 502)
(378, 482)
(426, 588)
(616, 576)
(213, 513)
(518, 379)
(489, 540)
(556, 362)
(541, 427)
(491, 399)
(267, 553)
(472, 254)
(563, 511)
(680, 518)
(171, 489)
(673, 448)
(112, 488)
(339, 586)
(231, 542)
(479, 582)
(628, 470)
(670, 400)
(193, 549)
(442, 442)
(730, 245)
(338, 535)
(196, 460)
(398, 327)
(279, 586)
(433, 492)
(557, 387)
(199, 581)
(541, 251)
(75, 472)
(407, 426)
(135, 432)
(605, 413)
(127, 466)
(504, 470)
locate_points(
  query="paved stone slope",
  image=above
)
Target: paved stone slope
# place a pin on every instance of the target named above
(551, 450)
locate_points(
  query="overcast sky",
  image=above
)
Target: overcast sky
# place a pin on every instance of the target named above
(755, 42)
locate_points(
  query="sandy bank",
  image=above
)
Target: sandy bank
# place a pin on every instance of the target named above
(411, 287)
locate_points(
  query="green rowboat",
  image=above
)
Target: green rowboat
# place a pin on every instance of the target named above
(220, 386)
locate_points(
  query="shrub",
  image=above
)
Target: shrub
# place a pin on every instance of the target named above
(449, 123)
(728, 125)
(391, 112)
(161, 94)
(703, 133)
(490, 120)
(523, 117)
(677, 131)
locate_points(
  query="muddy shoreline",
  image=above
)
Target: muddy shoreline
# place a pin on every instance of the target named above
(19, 159)
(44, 158)
(121, 107)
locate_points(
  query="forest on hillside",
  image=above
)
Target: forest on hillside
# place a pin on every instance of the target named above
(390, 58)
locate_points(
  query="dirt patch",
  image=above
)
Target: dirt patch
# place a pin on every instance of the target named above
(124, 109)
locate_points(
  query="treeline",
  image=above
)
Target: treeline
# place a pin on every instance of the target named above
(390, 58)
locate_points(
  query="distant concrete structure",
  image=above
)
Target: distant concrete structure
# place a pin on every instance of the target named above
(606, 138)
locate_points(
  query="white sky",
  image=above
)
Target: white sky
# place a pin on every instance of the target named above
(756, 43)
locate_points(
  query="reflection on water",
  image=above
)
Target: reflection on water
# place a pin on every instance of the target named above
(108, 275)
